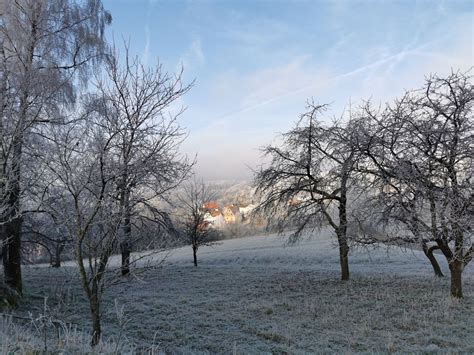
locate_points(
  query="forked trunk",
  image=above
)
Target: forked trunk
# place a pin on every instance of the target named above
(434, 263)
(456, 268)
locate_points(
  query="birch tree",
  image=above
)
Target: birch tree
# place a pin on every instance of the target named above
(46, 46)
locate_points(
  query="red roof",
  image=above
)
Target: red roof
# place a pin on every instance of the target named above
(211, 205)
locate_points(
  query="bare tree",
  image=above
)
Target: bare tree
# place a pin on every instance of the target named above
(80, 182)
(308, 179)
(198, 231)
(135, 102)
(420, 152)
(80, 192)
(374, 218)
(45, 46)
(41, 228)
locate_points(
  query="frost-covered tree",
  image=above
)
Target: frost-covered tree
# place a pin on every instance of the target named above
(42, 229)
(80, 193)
(419, 152)
(45, 48)
(197, 230)
(308, 178)
(134, 102)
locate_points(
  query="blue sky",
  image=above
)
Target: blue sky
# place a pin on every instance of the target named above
(257, 62)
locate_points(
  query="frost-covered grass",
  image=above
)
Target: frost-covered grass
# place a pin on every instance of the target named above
(36, 336)
(254, 295)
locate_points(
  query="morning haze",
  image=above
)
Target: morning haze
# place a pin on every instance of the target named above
(236, 177)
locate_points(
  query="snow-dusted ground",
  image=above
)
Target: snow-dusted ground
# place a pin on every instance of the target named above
(256, 295)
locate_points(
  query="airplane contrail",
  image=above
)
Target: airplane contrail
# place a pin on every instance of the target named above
(398, 56)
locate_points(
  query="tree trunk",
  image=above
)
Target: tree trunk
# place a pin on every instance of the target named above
(342, 230)
(195, 256)
(95, 312)
(12, 249)
(12, 237)
(3, 178)
(8, 297)
(344, 259)
(12, 254)
(456, 268)
(125, 251)
(56, 262)
(434, 263)
(125, 245)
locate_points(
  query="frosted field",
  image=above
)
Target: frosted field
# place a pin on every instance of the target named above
(254, 295)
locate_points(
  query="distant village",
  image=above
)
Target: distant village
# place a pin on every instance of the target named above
(224, 215)
(218, 216)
